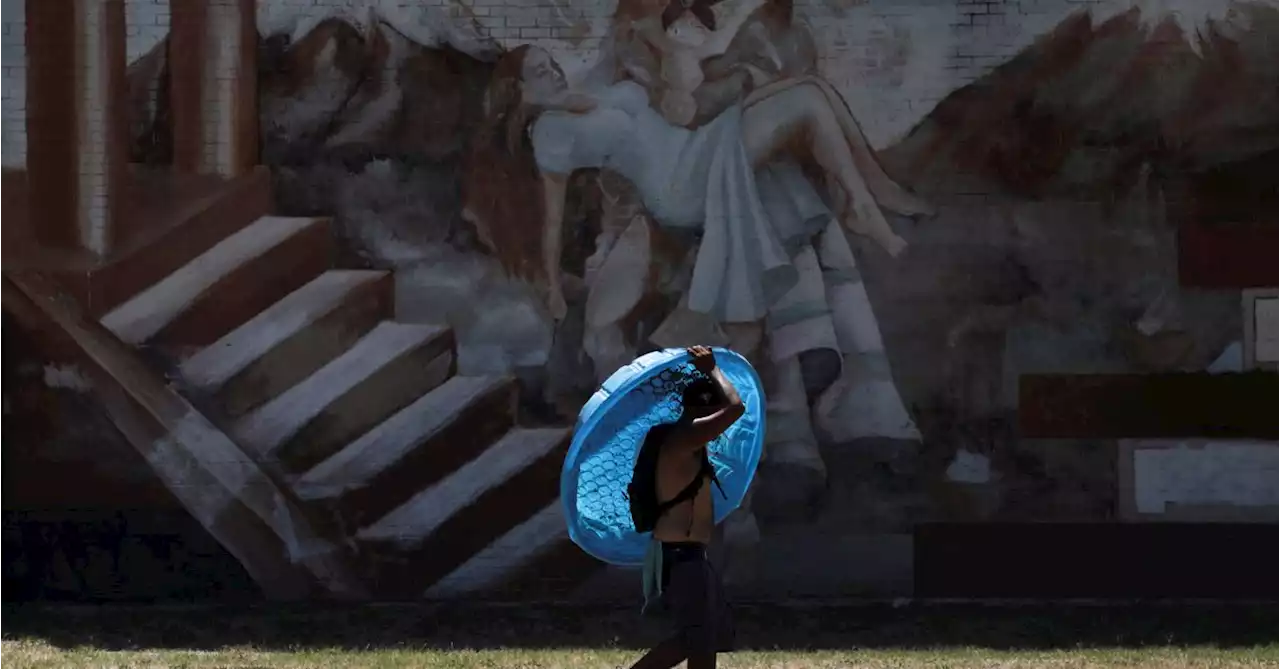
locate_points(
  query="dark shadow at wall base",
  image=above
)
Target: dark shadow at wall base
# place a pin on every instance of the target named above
(117, 556)
(1116, 561)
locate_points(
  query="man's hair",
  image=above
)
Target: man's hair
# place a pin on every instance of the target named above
(700, 393)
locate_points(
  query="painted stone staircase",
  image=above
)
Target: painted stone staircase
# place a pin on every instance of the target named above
(421, 476)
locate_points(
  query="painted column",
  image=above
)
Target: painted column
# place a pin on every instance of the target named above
(77, 121)
(214, 47)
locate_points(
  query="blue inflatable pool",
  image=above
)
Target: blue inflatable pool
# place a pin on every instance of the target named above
(611, 429)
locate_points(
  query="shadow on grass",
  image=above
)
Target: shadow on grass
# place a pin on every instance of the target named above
(444, 626)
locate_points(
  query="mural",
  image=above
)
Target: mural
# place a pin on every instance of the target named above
(518, 215)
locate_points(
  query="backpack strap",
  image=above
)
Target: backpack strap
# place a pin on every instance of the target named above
(691, 489)
(687, 493)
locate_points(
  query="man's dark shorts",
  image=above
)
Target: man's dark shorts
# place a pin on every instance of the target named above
(693, 594)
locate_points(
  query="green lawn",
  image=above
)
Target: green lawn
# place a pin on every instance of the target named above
(39, 654)
(877, 637)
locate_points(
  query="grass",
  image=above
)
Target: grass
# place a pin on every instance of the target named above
(527, 637)
(39, 654)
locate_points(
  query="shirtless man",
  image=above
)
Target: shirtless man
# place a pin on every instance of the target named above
(690, 587)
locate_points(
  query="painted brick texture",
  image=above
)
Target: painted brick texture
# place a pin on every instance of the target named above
(93, 125)
(220, 76)
(147, 22)
(13, 60)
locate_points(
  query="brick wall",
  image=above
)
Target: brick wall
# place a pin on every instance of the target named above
(13, 59)
(147, 23)
(93, 128)
(220, 77)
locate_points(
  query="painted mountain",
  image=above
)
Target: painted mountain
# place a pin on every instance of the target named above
(1062, 177)
(1094, 105)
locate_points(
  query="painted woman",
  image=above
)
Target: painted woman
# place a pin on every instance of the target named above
(827, 359)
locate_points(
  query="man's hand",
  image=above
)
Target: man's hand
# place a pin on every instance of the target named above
(703, 359)
(705, 428)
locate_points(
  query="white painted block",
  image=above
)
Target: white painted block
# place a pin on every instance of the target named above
(1265, 336)
(1203, 473)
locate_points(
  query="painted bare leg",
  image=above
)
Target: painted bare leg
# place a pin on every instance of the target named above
(802, 112)
(886, 191)
(859, 213)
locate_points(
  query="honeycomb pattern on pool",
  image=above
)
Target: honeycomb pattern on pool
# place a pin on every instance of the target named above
(607, 456)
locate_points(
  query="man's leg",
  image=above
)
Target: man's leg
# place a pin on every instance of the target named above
(713, 633)
(703, 660)
(719, 619)
(703, 615)
(671, 652)
(665, 655)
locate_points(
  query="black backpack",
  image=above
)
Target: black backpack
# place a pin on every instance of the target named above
(642, 492)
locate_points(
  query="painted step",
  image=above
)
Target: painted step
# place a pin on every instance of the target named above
(227, 285)
(555, 572)
(421, 444)
(204, 222)
(445, 525)
(535, 560)
(390, 367)
(291, 340)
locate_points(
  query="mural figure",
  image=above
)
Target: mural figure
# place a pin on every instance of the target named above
(806, 292)
(734, 181)
(683, 51)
